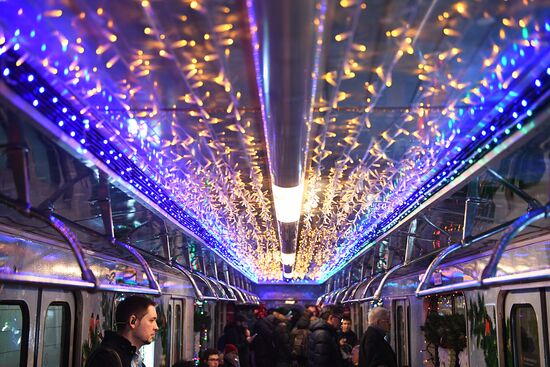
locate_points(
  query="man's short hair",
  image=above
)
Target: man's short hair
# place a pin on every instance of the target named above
(133, 305)
(331, 311)
(377, 313)
(346, 318)
(207, 353)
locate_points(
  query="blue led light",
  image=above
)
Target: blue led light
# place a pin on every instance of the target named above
(35, 103)
(537, 83)
(30, 77)
(6, 72)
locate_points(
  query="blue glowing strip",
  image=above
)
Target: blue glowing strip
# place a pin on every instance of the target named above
(507, 121)
(25, 81)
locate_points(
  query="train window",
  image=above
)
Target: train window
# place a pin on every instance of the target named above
(14, 333)
(56, 335)
(525, 341)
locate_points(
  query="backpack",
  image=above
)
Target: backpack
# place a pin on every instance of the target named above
(299, 342)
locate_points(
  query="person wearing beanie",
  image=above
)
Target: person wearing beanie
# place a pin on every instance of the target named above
(231, 355)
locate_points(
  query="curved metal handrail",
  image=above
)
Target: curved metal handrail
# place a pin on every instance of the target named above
(434, 264)
(208, 284)
(378, 291)
(363, 298)
(421, 291)
(153, 283)
(351, 290)
(519, 225)
(87, 274)
(232, 295)
(189, 276)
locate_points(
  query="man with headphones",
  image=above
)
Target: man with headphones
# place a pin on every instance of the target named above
(136, 321)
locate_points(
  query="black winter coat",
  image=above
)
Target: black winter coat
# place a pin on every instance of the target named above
(263, 342)
(323, 350)
(375, 351)
(281, 341)
(102, 357)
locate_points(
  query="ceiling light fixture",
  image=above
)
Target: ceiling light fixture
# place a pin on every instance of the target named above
(288, 202)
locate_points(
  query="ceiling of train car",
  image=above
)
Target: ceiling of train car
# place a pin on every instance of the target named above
(355, 109)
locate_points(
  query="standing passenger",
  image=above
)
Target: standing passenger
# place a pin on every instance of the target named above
(347, 339)
(264, 353)
(374, 349)
(136, 321)
(324, 350)
(299, 337)
(281, 337)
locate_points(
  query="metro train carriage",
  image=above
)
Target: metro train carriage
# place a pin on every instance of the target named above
(228, 157)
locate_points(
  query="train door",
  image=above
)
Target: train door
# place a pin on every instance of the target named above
(177, 305)
(56, 328)
(526, 328)
(401, 331)
(17, 319)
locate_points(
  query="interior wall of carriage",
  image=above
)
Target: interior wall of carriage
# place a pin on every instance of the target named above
(462, 230)
(47, 197)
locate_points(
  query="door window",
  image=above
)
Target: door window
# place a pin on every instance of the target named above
(525, 340)
(56, 335)
(14, 332)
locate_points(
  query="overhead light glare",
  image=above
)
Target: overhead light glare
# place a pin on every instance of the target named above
(288, 259)
(288, 202)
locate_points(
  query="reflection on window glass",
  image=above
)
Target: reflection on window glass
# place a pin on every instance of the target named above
(12, 335)
(400, 335)
(169, 322)
(179, 332)
(525, 339)
(56, 336)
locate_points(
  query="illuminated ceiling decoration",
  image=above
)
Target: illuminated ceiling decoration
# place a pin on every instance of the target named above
(167, 95)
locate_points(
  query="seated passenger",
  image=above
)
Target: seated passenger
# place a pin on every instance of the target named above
(136, 321)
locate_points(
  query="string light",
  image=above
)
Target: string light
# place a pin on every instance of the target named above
(201, 157)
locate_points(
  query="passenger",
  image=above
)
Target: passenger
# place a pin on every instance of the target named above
(323, 350)
(347, 339)
(210, 358)
(231, 356)
(136, 321)
(299, 337)
(281, 337)
(314, 312)
(374, 349)
(235, 333)
(263, 342)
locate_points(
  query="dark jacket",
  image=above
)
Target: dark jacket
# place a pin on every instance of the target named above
(281, 343)
(236, 335)
(323, 348)
(350, 336)
(375, 351)
(103, 356)
(299, 337)
(263, 342)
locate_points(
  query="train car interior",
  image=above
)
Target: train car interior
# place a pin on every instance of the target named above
(229, 158)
